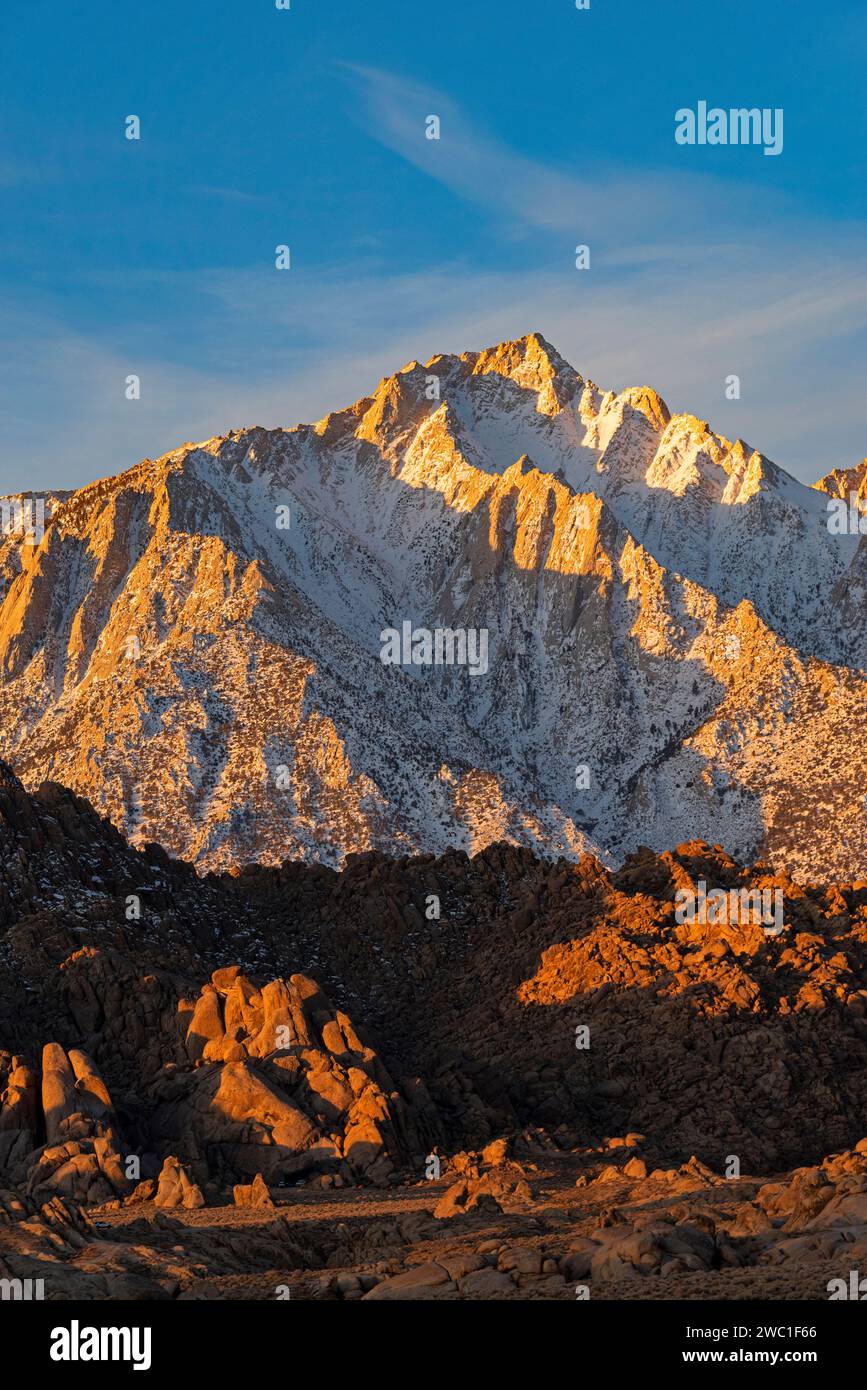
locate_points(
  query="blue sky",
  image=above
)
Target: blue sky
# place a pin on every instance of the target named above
(307, 127)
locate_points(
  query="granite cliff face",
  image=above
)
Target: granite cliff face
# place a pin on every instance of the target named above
(675, 640)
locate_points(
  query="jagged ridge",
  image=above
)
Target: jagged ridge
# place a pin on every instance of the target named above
(664, 607)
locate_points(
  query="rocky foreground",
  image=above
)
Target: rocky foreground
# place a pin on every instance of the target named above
(420, 1078)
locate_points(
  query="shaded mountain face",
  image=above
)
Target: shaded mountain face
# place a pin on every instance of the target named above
(663, 638)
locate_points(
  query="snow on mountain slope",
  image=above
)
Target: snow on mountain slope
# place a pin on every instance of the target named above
(675, 639)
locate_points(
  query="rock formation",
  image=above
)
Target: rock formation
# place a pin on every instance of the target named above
(558, 1080)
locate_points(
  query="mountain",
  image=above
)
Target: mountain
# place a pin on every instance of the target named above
(675, 637)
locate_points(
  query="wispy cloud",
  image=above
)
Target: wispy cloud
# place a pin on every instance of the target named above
(690, 280)
(609, 202)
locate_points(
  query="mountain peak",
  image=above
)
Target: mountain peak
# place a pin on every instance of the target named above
(531, 362)
(212, 620)
(840, 482)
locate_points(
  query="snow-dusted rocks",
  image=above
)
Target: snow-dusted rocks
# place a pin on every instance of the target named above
(675, 641)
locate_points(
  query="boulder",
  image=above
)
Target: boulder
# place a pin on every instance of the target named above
(255, 1194)
(176, 1187)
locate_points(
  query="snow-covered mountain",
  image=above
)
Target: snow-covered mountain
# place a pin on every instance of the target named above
(675, 636)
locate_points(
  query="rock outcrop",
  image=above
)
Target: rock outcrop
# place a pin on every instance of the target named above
(176, 1188)
(57, 1129)
(280, 1084)
(559, 1078)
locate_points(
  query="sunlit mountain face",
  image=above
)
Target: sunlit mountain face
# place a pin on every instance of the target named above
(491, 601)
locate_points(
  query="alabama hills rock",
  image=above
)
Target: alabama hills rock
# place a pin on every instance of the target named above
(330, 1008)
(676, 639)
(209, 1083)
